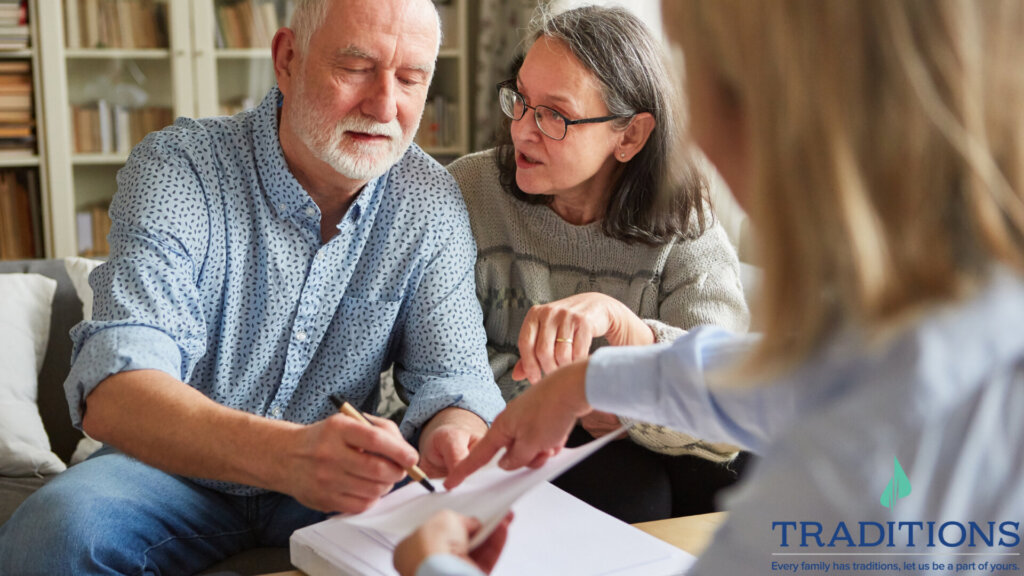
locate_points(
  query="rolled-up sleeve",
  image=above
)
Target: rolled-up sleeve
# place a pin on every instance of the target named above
(147, 313)
(443, 357)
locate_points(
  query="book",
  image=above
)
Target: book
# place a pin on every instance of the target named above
(83, 229)
(17, 116)
(15, 67)
(10, 101)
(91, 23)
(100, 229)
(16, 130)
(106, 126)
(17, 225)
(72, 24)
(270, 22)
(93, 226)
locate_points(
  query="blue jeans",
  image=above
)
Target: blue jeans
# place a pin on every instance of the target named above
(115, 515)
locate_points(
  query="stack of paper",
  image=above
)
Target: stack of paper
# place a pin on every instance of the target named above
(553, 532)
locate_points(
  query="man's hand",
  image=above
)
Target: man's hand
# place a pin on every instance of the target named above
(449, 533)
(533, 427)
(447, 439)
(343, 465)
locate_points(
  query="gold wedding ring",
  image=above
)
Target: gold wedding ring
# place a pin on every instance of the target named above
(566, 340)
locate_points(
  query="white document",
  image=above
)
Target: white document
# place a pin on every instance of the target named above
(552, 533)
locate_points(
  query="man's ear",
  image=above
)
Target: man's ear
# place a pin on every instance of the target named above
(284, 51)
(634, 137)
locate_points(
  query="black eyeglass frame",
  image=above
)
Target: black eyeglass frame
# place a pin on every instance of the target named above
(510, 86)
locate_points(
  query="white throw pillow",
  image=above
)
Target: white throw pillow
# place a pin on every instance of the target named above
(25, 307)
(78, 270)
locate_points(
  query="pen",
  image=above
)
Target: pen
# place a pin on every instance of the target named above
(347, 409)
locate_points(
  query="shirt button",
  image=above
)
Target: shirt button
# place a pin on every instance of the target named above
(276, 412)
(300, 335)
(310, 211)
(282, 207)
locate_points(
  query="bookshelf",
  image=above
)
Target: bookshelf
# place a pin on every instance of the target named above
(114, 70)
(444, 130)
(232, 52)
(24, 220)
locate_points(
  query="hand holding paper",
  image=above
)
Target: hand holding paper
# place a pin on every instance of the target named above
(449, 533)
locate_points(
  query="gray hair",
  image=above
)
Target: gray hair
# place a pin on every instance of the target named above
(310, 15)
(657, 196)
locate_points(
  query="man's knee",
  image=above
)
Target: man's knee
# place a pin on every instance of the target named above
(53, 531)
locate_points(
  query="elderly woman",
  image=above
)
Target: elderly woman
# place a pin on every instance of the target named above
(574, 249)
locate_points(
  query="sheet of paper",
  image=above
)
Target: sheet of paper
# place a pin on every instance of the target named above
(488, 494)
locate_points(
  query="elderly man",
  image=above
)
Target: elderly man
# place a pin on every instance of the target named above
(260, 264)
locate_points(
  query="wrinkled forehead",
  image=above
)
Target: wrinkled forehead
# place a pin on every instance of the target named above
(401, 32)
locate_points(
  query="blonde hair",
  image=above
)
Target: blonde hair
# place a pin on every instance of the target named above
(886, 154)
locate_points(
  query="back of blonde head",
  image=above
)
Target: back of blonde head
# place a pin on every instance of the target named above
(886, 152)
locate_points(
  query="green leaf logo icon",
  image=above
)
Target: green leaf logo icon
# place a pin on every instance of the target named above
(899, 486)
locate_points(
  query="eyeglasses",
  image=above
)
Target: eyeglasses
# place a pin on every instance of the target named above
(551, 123)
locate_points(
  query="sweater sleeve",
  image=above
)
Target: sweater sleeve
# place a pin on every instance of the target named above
(700, 286)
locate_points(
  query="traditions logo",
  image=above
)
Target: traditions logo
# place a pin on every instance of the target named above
(898, 487)
(944, 546)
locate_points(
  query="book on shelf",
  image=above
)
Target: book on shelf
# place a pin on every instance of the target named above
(15, 67)
(14, 101)
(124, 24)
(14, 34)
(20, 236)
(247, 23)
(17, 123)
(93, 226)
(100, 127)
(439, 125)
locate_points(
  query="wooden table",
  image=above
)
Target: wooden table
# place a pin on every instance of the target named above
(689, 533)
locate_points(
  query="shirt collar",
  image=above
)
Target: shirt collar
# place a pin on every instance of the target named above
(283, 192)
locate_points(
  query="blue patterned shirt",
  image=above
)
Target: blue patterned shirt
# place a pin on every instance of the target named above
(217, 276)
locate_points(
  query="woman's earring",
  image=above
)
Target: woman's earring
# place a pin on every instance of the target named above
(622, 154)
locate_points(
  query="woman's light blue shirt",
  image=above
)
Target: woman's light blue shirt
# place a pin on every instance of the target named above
(925, 427)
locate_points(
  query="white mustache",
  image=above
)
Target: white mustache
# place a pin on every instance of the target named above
(368, 126)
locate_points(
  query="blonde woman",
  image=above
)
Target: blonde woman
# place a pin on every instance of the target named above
(878, 147)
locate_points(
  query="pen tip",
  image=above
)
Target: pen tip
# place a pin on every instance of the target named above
(426, 484)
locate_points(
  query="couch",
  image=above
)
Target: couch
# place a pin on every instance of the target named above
(53, 408)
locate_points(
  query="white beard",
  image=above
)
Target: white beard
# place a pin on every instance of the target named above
(360, 161)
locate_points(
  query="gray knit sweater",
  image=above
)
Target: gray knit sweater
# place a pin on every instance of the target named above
(527, 255)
